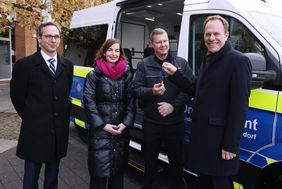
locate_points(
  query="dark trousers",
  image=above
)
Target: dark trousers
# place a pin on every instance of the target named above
(171, 136)
(113, 182)
(215, 182)
(32, 172)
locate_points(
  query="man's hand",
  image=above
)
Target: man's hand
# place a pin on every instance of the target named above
(169, 68)
(158, 89)
(227, 155)
(165, 108)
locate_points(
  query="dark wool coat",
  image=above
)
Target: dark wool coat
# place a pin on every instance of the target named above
(42, 101)
(108, 101)
(221, 103)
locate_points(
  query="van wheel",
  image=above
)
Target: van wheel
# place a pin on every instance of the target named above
(83, 134)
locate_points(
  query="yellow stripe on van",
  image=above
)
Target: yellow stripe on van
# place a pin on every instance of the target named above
(237, 185)
(279, 108)
(81, 71)
(76, 101)
(263, 99)
(270, 161)
(79, 122)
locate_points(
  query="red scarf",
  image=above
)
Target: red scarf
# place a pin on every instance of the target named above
(112, 72)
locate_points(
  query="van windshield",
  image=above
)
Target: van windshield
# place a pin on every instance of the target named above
(271, 23)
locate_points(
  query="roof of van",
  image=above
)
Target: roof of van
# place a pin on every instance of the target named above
(104, 13)
(99, 14)
(267, 6)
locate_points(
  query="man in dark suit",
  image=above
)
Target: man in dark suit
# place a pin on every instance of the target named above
(221, 93)
(39, 91)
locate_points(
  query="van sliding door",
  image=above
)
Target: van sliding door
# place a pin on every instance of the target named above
(138, 19)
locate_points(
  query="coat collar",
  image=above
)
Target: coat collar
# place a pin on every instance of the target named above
(215, 57)
(215, 60)
(154, 62)
(41, 62)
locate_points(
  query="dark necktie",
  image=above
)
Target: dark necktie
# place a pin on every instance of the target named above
(52, 66)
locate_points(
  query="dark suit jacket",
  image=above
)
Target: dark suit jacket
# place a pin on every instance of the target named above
(42, 101)
(221, 95)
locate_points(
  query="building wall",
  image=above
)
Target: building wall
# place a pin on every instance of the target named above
(25, 42)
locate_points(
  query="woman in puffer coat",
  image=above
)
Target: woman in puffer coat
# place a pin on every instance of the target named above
(111, 110)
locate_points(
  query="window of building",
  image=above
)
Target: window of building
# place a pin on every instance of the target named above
(5, 57)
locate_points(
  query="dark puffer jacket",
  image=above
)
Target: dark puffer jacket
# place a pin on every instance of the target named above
(108, 101)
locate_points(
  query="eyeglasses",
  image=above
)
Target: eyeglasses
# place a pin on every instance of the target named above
(50, 37)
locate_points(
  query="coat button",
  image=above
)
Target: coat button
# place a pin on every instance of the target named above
(55, 97)
(55, 114)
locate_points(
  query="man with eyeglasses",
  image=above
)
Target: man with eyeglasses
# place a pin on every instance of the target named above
(39, 91)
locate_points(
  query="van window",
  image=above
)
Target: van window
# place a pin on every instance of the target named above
(240, 37)
(82, 44)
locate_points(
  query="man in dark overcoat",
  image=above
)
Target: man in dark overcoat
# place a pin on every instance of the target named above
(221, 93)
(39, 91)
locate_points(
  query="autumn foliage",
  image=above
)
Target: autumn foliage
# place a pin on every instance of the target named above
(31, 13)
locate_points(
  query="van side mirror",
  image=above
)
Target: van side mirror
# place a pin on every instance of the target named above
(259, 72)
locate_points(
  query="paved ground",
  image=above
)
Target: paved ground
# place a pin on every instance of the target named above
(73, 170)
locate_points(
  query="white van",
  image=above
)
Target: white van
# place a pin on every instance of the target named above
(255, 27)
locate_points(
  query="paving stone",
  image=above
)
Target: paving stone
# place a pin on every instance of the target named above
(14, 160)
(13, 185)
(73, 180)
(5, 166)
(83, 186)
(63, 185)
(9, 177)
(19, 169)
